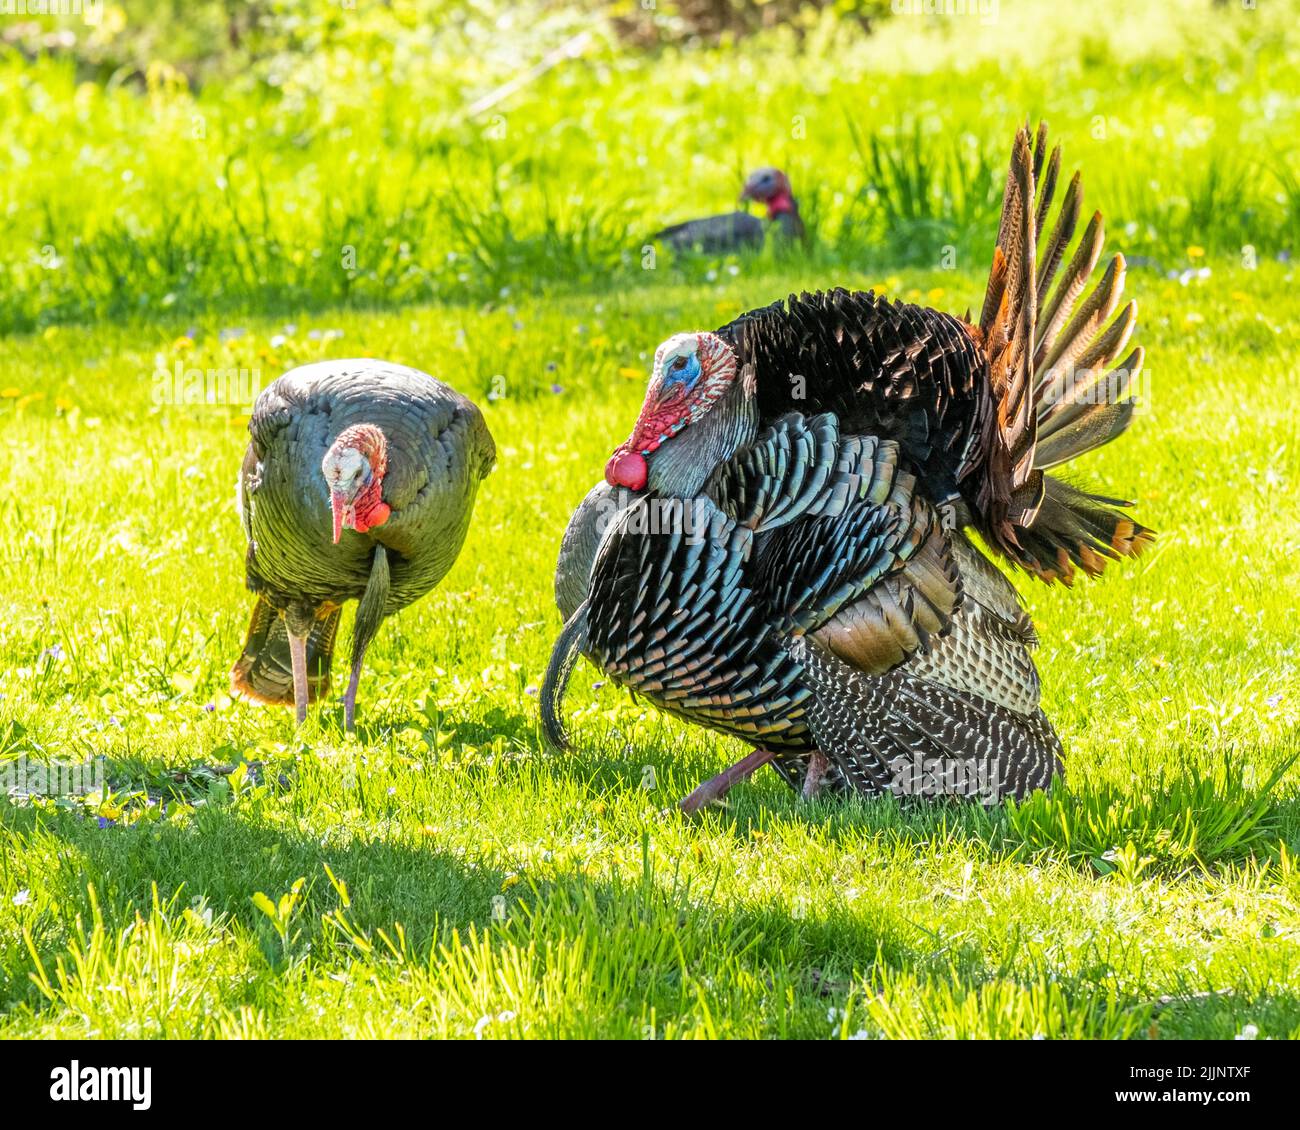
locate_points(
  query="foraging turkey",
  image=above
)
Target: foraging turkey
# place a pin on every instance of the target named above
(780, 553)
(358, 484)
(735, 230)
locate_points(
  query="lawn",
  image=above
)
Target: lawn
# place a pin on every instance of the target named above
(442, 874)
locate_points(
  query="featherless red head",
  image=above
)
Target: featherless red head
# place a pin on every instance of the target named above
(370, 441)
(771, 187)
(354, 469)
(691, 373)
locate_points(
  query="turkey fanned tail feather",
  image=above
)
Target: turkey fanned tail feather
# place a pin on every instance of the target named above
(1052, 366)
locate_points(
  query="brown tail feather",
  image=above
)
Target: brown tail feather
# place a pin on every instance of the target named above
(1007, 333)
(1049, 348)
(1095, 427)
(1067, 221)
(1046, 183)
(1077, 529)
(1086, 324)
(264, 672)
(1071, 285)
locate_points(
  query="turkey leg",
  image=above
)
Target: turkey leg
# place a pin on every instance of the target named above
(298, 623)
(815, 775)
(370, 614)
(716, 788)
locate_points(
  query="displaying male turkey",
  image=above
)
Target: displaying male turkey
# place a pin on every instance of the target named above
(735, 230)
(358, 484)
(779, 552)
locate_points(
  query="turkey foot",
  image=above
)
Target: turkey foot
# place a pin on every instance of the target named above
(717, 788)
(815, 775)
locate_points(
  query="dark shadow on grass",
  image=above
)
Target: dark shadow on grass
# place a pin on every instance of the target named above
(835, 264)
(1183, 820)
(654, 920)
(223, 857)
(289, 303)
(516, 730)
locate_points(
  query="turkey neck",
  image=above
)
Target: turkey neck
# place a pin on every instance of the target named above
(783, 210)
(681, 467)
(790, 224)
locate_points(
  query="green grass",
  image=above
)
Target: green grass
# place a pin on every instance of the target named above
(441, 874)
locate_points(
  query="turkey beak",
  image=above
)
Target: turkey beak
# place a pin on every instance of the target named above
(343, 513)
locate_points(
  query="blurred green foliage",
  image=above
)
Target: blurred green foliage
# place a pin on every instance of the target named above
(292, 154)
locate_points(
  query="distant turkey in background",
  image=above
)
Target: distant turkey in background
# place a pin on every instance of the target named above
(735, 230)
(358, 484)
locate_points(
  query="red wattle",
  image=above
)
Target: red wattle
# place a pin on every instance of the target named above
(377, 515)
(627, 469)
(780, 203)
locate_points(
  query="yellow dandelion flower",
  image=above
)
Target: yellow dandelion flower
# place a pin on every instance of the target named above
(1195, 252)
(10, 393)
(509, 881)
(599, 342)
(182, 344)
(628, 373)
(63, 404)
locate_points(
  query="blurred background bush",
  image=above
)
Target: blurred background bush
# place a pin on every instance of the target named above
(202, 38)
